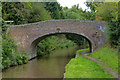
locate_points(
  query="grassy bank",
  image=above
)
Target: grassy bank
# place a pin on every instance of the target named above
(81, 50)
(108, 56)
(81, 67)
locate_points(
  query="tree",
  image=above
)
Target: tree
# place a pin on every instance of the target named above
(79, 40)
(17, 12)
(108, 12)
(77, 13)
(22, 13)
(92, 5)
(39, 12)
(55, 9)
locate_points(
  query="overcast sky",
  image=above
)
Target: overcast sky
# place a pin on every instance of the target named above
(70, 3)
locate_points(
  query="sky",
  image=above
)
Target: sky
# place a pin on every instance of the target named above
(70, 3)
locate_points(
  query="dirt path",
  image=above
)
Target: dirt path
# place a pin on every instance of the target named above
(115, 74)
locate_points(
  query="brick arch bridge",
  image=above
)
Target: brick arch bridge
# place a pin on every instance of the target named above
(27, 36)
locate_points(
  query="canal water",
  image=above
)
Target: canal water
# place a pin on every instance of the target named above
(48, 66)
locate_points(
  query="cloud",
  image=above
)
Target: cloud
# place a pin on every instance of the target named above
(70, 3)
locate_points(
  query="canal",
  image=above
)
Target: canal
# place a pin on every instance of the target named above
(48, 66)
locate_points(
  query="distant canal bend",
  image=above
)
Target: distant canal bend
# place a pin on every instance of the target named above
(48, 66)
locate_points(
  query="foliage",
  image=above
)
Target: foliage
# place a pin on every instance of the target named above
(10, 54)
(107, 56)
(92, 6)
(77, 13)
(53, 42)
(108, 12)
(0, 57)
(81, 50)
(4, 26)
(81, 67)
(22, 13)
(17, 12)
(79, 40)
(55, 9)
(39, 12)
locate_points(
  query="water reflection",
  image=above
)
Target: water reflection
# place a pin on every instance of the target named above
(48, 66)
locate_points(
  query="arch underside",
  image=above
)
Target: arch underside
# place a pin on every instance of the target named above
(34, 43)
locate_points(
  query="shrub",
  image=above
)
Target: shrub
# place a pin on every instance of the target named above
(10, 55)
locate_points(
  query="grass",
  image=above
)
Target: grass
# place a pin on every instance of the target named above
(81, 67)
(81, 50)
(108, 56)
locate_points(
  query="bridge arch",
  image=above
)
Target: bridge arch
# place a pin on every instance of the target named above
(28, 35)
(37, 39)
